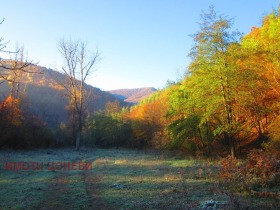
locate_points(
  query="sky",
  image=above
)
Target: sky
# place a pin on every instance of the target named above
(142, 43)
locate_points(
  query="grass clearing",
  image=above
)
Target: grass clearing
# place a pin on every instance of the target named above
(119, 179)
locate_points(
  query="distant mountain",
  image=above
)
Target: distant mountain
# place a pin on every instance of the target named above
(47, 98)
(133, 95)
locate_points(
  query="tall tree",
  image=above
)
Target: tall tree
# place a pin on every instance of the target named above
(77, 67)
(262, 47)
(214, 77)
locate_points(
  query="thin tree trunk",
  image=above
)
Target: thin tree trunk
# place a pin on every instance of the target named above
(232, 146)
(78, 139)
(79, 134)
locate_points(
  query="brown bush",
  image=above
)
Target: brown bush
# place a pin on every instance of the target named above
(258, 170)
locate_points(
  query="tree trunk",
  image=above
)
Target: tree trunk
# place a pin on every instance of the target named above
(231, 145)
(78, 139)
(79, 134)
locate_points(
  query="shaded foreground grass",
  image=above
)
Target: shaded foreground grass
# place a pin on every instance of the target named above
(119, 179)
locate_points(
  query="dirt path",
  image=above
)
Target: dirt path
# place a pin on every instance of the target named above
(96, 201)
(60, 193)
(57, 188)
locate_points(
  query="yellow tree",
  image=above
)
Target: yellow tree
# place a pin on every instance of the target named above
(10, 111)
(262, 45)
(149, 120)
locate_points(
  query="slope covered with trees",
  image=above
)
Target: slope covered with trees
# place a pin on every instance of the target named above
(133, 95)
(45, 92)
(228, 101)
(226, 107)
(42, 99)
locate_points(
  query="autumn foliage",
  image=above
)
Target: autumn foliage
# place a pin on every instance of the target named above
(228, 101)
(10, 111)
(19, 129)
(259, 170)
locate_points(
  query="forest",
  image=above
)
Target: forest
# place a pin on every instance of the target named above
(227, 101)
(226, 107)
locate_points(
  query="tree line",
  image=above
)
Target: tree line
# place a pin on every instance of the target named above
(227, 101)
(20, 128)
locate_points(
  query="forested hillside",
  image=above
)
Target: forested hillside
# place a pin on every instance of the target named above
(223, 114)
(133, 95)
(227, 103)
(43, 90)
(37, 95)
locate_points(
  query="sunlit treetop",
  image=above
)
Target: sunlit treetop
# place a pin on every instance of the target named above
(267, 36)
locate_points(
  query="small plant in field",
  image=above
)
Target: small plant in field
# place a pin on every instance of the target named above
(182, 173)
(231, 169)
(259, 170)
(200, 172)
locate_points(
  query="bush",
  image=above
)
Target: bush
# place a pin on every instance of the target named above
(31, 133)
(273, 146)
(258, 170)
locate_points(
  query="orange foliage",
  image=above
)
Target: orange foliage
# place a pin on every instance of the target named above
(10, 111)
(261, 50)
(255, 33)
(149, 119)
(260, 168)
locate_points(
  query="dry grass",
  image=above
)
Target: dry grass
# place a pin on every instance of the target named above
(120, 179)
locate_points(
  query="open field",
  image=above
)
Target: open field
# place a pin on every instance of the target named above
(119, 179)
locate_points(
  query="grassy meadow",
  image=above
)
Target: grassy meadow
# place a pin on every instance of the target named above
(119, 179)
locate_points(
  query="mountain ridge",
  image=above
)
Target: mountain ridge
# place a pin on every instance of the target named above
(47, 98)
(133, 95)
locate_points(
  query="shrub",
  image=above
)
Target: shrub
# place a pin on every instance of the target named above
(258, 170)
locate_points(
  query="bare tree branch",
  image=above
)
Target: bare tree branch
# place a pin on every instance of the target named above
(16, 62)
(77, 68)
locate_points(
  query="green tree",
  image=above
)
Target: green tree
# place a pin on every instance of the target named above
(186, 129)
(214, 77)
(109, 128)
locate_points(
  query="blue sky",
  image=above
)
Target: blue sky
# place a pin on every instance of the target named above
(143, 43)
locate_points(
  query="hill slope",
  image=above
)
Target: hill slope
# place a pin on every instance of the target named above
(133, 95)
(47, 98)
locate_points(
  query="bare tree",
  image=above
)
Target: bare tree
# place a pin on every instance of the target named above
(15, 73)
(16, 64)
(78, 66)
